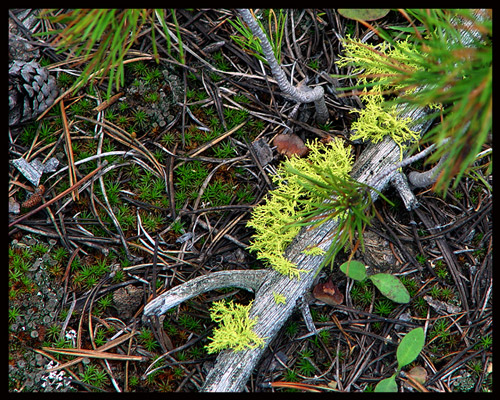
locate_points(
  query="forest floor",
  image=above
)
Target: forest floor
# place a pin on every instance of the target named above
(181, 180)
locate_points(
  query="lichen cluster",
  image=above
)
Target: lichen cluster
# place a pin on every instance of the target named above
(376, 122)
(373, 65)
(273, 220)
(235, 328)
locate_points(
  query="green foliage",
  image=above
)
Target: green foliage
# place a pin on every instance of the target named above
(14, 312)
(304, 365)
(354, 270)
(95, 376)
(450, 69)
(408, 350)
(147, 339)
(440, 330)
(235, 328)
(377, 119)
(275, 220)
(389, 285)
(383, 307)
(102, 38)
(292, 328)
(189, 322)
(364, 14)
(410, 347)
(224, 150)
(290, 376)
(485, 342)
(339, 198)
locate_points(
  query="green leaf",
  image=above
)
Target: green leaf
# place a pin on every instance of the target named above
(391, 287)
(354, 270)
(410, 347)
(363, 14)
(387, 385)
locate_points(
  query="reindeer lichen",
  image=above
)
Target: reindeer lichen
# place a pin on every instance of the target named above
(279, 298)
(272, 220)
(235, 328)
(374, 65)
(376, 122)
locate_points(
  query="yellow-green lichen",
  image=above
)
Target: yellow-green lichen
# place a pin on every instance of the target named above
(375, 64)
(314, 251)
(279, 298)
(235, 328)
(272, 220)
(376, 122)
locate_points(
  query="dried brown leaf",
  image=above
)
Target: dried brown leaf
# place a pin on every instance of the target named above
(328, 293)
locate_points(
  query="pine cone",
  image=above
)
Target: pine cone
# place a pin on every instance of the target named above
(31, 91)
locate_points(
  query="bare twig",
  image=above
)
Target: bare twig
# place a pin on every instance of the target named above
(304, 94)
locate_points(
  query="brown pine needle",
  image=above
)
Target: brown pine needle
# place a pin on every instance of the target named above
(69, 152)
(60, 195)
(94, 354)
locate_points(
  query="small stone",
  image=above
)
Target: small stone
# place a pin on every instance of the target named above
(34, 334)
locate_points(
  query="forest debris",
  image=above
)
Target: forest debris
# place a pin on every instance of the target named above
(290, 145)
(14, 206)
(328, 293)
(33, 170)
(441, 306)
(262, 151)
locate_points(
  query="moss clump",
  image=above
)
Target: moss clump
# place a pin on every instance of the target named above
(235, 330)
(272, 220)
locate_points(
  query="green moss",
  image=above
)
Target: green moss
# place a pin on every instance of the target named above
(272, 220)
(235, 330)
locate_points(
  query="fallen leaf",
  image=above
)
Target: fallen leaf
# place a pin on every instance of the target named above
(290, 145)
(363, 14)
(262, 151)
(328, 293)
(14, 206)
(442, 307)
(419, 374)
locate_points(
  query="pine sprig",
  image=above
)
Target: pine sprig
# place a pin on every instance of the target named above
(339, 198)
(102, 38)
(449, 59)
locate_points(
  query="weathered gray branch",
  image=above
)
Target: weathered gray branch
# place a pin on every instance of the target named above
(232, 369)
(249, 280)
(303, 94)
(427, 178)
